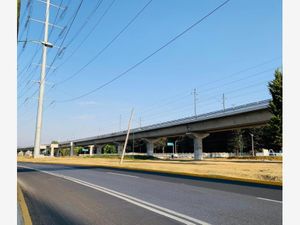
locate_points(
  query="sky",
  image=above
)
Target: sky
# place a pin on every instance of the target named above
(232, 53)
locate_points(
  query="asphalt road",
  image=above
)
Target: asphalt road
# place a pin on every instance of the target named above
(58, 194)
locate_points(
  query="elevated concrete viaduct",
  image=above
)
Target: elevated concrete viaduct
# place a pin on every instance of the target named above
(196, 127)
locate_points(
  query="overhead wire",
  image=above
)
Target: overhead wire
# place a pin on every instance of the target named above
(147, 57)
(30, 76)
(86, 37)
(107, 45)
(27, 29)
(68, 30)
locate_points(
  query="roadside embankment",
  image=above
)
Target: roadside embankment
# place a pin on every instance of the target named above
(246, 170)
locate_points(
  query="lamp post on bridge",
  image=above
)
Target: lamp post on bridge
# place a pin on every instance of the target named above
(252, 144)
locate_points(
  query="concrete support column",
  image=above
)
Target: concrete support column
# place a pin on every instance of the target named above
(71, 148)
(150, 148)
(150, 145)
(198, 144)
(52, 148)
(120, 147)
(51, 151)
(99, 149)
(91, 149)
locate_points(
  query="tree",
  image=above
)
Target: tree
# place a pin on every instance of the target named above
(64, 152)
(161, 143)
(109, 149)
(272, 134)
(237, 142)
(77, 150)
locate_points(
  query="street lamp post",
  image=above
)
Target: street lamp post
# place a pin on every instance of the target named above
(252, 143)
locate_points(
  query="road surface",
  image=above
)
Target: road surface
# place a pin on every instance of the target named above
(57, 194)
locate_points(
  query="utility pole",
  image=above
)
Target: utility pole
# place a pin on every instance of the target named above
(126, 140)
(45, 43)
(132, 141)
(223, 101)
(195, 101)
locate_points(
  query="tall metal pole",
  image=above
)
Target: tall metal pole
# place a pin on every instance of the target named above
(252, 143)
(39, 119)
(133, 142)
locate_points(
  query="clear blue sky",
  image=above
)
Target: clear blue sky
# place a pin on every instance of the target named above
(241, 35)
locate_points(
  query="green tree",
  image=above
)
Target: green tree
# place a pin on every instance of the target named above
(109, 149)
(77, 150)
(272, 134)
(64, 152)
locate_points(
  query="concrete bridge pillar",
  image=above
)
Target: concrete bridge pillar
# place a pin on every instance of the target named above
(51, 151)
(52, 148)
(198, 144)
(71, 148)
(120, 147)
(91, 147)
(99, 149)
(150, 145)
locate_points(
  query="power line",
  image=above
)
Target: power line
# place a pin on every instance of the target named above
(147, 57)
(23, 16)
(72, 21)
(183, 94)
(30, 76)
(107, 45)
(27, 28)
(40, 36)
(90, 32)
(210, 97)
(56, 16)
(86, 21)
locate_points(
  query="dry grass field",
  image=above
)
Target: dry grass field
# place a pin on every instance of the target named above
(261, 171)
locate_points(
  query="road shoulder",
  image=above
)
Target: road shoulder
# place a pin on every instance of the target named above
(24, 209)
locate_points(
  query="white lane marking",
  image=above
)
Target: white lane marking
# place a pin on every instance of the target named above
(151, 207)
(121, 174)
(270, 200)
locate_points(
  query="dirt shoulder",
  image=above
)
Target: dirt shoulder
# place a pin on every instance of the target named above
(256, 171)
